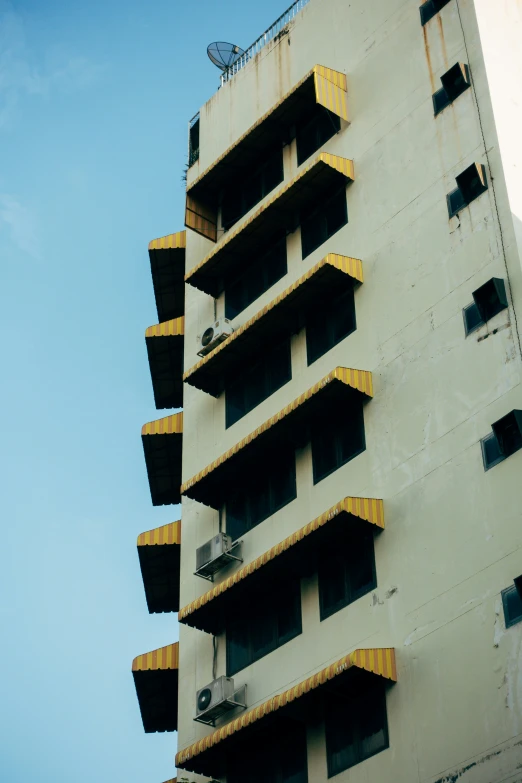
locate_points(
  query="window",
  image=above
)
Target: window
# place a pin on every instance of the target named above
(355, 728)
(338, 440)
(512, 604)
(253, 187)
(471, 183)
(262, 274)
(264, 626)
(430, 8)
(491, 454)
(318, 225)
(315, 131)
(271, 758)
(262, 496)
(257, 382)
(472, 318)
(193, 140)
(331, 322)
(454, 83)
(347, 574)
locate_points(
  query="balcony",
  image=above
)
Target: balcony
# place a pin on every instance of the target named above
(283, 316)
(156, 680)
(159, 555)
(320, 178)
(165, 349)
(321, 85)
(290, 426)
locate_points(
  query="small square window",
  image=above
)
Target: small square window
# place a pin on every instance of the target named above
(456, 80)
(472, 182)
(512, 604)
(456, 202)
(472, 318)
(491, 298)
(508, 432)
(491, 453)
(430, 8)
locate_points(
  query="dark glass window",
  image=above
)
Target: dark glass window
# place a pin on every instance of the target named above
(273, 758)
(254, 186)
(331, 322)
(512, 604)
(346, 575)
(472, 318)
(264, 625)
(315, 131)
(430, 8)
(356, 728)
(194, 141)
(491, 453)
(321, 223)
(337, 440)
(257, 382)
(262, 496)
(259, 277)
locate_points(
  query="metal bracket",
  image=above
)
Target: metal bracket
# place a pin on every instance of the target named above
(238, 700)
(219, 562)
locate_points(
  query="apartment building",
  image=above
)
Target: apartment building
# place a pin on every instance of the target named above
(339, 321)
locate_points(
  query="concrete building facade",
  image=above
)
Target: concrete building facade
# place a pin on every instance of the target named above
(353, 222)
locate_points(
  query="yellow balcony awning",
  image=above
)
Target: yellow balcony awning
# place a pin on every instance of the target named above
(206, 756)
(156, 680)
(320, 85)
(162, 443)
(167, 264)
(278, 213)
(282, 316)
(213, 484)
(159, 555)
(165, 347)
(297, 553)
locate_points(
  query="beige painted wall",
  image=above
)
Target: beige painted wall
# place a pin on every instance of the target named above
(454, 535)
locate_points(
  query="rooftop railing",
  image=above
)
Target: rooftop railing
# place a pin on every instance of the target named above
(263, 39)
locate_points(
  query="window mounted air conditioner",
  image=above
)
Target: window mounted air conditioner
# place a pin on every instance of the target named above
(214, 335)
(217, 698)
(216, 554)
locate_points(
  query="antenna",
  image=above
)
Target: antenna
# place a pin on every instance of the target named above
(223, 54)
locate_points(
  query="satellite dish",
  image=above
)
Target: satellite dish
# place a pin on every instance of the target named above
(224, 55)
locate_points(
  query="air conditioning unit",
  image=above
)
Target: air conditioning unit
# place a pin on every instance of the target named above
(215, 554)
(216, 699)
(214, 335)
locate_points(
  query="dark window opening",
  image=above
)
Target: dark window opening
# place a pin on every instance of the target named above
(315, 131)
(321, 223)
(257, 382)
(194, 141)
(279, 757)
(454, 83)
(346, 574)
(512, 604)
(472, 318)
(430, 8)
(254, 186)
(262, 495)
(356, 728)
(491, 298)
(338, 440)
(330, 323)
(261, 275)
(264, 625)
(508, 432)
(471, 183)
(491, 453)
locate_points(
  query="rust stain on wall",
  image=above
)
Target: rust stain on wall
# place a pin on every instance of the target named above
(428, 58)
(443, 41)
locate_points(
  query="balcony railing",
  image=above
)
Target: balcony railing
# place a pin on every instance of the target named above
(263, 39)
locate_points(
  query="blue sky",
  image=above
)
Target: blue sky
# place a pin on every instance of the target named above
(95, 96)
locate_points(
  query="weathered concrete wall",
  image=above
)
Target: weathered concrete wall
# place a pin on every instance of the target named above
(454, 536)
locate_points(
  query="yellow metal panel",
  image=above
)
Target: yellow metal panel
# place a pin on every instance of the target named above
(343, 165)
(357, 379)
(350, 266)
(379, 661)
(164, 658)
(166, 534)
(330, 90)
(173, 328)
(369, 509)
(170, 242)
(167, 426)
(201, 219)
